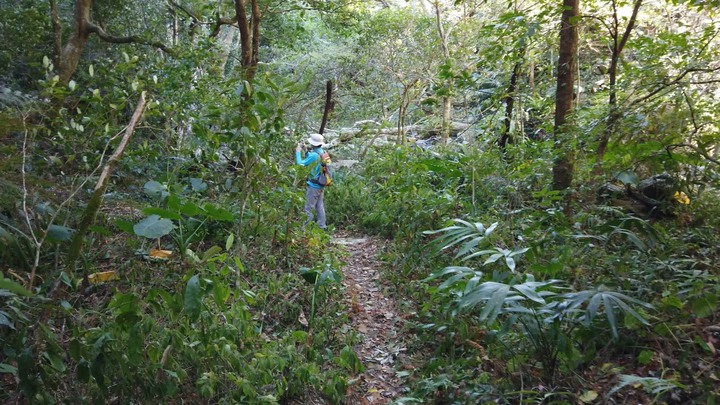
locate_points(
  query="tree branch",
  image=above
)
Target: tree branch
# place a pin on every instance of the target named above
(186, 11)
(673, 82)
(220, 22)
(694, 148)
(710, 81)
(607, 27)
(692, 113)
(631, 24)
(132, 39)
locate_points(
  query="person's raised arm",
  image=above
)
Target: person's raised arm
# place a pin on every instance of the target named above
(311, 156)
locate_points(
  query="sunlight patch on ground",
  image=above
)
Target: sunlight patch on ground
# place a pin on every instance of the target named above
(349, 241)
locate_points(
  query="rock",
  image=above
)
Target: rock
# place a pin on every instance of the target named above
(652, 196)
(660, 187)
(344, 163)
(608, 192)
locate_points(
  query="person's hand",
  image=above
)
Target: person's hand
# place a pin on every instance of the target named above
(299, 147)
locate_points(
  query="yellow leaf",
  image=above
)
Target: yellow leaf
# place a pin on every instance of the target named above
(160, 254)
(588, 396)
(17, 276)
(303, 321)
(96, 278)
(681, 197)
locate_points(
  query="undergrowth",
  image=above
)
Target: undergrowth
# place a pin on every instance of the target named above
(528, 298)
(191, 285)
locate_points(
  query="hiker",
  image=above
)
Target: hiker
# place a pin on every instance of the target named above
(314, 194)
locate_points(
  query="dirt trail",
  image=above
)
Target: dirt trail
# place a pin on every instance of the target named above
(374, 316)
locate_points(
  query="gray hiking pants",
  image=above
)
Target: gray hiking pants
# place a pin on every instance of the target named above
(314, 201)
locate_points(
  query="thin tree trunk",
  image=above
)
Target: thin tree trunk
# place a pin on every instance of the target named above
(447, 117)
(563, 167)
(613, 111)
(173, 12)
(447, 99)
(255, 35)
(96, 200)
(249, 37)
(531, 76)
(404, 103)
(328, 106)
(57, 32)
(509, 106)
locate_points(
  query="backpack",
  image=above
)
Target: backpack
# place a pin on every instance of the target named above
(324, 177)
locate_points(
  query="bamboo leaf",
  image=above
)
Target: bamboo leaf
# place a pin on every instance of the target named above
(192, 301)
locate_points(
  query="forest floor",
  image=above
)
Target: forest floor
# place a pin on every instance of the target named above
(374, 316)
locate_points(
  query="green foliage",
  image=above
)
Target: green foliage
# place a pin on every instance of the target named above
(165, 344)
(544, 321)
(222, 324)
(320, 276)
(652, 385)
(635, 230)
(153, 227)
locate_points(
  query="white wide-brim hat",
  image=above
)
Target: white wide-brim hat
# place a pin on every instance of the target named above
(316, 140)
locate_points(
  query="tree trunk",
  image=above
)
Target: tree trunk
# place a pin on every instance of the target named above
(531, 76)
(509, 105)
(618, 45)
(71, 53)
(563, 168)
(249, 37)
(402, 112)
(57, 31)
(96, 200)
(447, 117)
(69, 58)
(255, 35)
(173, 13)
(328, 106)
(447, 98)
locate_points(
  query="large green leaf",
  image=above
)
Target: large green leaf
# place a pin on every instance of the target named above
(155, 189)
(125, 226)
(162, 212)
(310, 275)
(192, 301)
(614, 303)
(471, 235)
(198, 185)
(153, 227)
(329, 276)
(220, 214)
(57, 233)
(627, 177)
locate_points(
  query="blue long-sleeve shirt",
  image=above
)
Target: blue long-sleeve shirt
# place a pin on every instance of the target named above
(311, 158)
